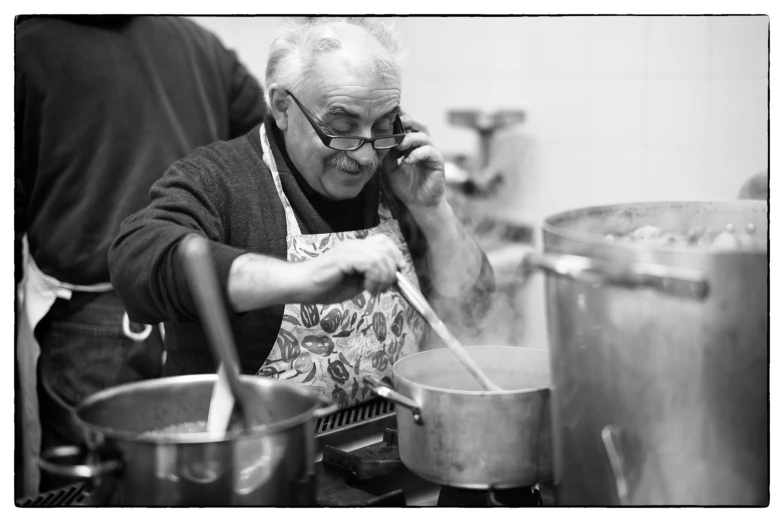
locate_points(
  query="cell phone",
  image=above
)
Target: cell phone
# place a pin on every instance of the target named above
(395, 154)
(397, 128)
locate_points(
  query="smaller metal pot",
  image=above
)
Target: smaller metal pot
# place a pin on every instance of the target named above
(452, 433)
(269, 465)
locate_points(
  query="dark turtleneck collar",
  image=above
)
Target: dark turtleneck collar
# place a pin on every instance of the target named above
(316, 213)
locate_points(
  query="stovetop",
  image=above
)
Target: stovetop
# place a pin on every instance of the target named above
(374, 476)
(358, 464)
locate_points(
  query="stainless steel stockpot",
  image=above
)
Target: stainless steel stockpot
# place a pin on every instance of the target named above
(452, 432)
(659, 357)
(269, 465)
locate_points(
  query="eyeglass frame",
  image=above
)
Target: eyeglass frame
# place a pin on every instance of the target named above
(326, 139)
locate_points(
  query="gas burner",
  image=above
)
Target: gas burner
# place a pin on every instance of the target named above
(372, 475)
(516, 497)
(366, 467)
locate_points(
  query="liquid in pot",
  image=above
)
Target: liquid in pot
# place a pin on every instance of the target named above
(182, 428)
(510, 367)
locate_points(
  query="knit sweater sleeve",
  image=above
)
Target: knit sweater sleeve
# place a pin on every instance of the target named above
(191, 197)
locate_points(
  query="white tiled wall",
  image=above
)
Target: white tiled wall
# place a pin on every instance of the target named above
(618, 108)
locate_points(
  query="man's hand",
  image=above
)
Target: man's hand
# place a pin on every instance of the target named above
(419, 183)
(415, 168)
(353, 266)
(257, 281)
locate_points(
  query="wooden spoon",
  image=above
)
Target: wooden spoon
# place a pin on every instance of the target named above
(209, 301)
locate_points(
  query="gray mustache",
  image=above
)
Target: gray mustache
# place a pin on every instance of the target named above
(343, 162)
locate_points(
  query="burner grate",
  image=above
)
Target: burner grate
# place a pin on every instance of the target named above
(73, 495)
(359, 414)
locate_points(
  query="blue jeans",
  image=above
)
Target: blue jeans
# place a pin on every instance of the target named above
(83, 351)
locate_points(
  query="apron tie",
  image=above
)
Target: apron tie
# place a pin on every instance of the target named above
(134, 336)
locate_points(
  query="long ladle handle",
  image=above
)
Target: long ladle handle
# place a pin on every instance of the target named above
(206, 292)
(420, 304)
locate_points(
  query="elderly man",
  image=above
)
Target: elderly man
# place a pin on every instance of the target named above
(304, 217)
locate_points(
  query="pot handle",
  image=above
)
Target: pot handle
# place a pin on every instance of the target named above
(382, 390)
(676, 281)
(48, 462)
(328, 407)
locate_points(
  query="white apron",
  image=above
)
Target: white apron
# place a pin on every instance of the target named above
(330, 348)
(35, 296)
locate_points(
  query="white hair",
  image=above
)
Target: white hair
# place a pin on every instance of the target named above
(293, 53)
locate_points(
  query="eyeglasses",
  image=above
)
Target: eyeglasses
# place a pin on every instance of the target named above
(349, 143)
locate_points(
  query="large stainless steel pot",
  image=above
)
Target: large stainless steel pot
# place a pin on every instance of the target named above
(269, 465)
(453, 433)
(659, 358)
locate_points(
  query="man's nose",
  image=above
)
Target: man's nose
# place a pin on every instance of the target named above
(365, 155)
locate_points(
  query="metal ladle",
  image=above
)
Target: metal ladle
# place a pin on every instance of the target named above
(420, 304)
(209, 301)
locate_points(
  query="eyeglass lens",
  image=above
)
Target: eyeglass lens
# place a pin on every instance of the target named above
(353, 143)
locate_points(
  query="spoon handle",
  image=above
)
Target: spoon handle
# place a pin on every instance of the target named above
(420, 304)
(206, 292)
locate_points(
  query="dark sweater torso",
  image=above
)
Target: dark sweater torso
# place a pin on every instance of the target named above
(102, 110)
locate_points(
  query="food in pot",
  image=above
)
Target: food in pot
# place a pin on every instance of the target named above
(727, 240)
(182, 428)
(176, 429)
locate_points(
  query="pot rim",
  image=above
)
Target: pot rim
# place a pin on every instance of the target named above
(469, 392)
(192, 438)
(598, 240)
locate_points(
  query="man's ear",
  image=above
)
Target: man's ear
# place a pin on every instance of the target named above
(279, 106)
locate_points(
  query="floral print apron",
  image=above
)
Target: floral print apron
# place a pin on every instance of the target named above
(330, 348)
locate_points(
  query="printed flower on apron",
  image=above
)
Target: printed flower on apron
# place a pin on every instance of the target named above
(330, 322)
(318, 344)
(337, 370)
(380, 360)
(392, 350)
(289, 346)
(380, 326)
(340, 396)
(397, 324)
(305, 365)
(291, 319)
(330, 348)
(309, 315)
(268, 371)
